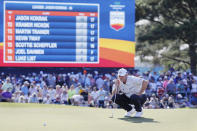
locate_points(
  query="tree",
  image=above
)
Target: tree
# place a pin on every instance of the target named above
(170, 22)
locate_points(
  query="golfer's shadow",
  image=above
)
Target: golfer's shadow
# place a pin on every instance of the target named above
(138, 120)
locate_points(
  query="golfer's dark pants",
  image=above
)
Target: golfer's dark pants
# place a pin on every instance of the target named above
(124, 102)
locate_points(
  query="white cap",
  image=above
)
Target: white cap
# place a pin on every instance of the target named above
(122, 72)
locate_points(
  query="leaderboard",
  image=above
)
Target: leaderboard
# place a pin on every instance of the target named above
(37, 32)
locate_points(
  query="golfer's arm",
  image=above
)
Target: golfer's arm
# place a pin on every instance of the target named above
(114, 91)
(144, 86)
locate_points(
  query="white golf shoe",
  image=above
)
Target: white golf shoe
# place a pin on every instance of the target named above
(138, 114)
(129, 113)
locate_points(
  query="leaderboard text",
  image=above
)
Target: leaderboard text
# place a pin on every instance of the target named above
(52, 33)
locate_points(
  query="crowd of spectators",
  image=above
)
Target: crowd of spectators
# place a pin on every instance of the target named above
(171, 89)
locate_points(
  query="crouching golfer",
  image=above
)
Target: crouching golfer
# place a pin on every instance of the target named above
(129, 90)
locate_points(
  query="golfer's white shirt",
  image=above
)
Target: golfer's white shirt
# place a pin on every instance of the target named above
(133, 86)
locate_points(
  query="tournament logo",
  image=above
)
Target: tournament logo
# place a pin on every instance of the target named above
(117, 20)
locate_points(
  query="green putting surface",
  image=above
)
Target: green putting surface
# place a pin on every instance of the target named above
(38, 117)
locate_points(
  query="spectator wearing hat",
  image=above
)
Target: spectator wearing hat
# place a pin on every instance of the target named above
(22, 99)
(33, 98)
(7, 85)
(181, 101)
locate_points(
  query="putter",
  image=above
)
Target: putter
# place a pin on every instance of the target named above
(112, 115)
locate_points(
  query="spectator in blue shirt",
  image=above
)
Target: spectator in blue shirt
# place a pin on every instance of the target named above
(25, 89)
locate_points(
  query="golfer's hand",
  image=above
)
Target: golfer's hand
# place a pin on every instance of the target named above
(117, 83)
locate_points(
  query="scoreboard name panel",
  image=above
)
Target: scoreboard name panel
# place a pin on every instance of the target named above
(67, 33)
(51, 33)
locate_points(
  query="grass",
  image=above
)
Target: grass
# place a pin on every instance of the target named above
(38, 117)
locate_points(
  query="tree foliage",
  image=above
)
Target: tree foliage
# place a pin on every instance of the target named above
(172, 23)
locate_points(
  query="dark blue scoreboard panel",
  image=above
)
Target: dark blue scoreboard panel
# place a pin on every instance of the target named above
(67, 33)
(40, 32)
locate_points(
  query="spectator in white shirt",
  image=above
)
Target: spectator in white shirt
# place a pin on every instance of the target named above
(52, 93)
(33, 98)
(94, 95)
(47, 99)
(101, 97)
(64, 97)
